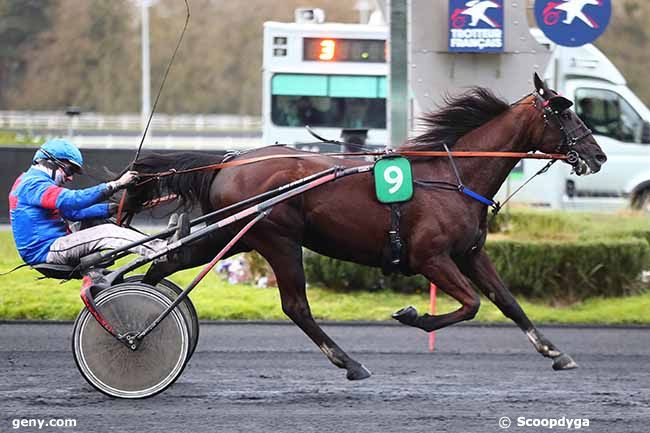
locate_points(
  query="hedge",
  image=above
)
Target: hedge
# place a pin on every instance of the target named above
(641, 234)
(345, 276)
(545, 270)
(571, 271)
(543, 225)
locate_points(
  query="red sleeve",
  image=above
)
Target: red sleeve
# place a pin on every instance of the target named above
(48, 199)
(13, 199)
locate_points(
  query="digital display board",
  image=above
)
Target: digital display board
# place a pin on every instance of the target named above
(344, 50)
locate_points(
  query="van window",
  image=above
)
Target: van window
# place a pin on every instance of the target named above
(336, 101)
(607, 113)
(325, 111)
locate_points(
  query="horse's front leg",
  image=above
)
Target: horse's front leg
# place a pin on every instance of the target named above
(442, 271)
(481, 271)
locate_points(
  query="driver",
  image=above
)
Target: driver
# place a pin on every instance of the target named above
(40, 205)
(587, 112)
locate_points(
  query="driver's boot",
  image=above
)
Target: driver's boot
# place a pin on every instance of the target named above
(181, 254)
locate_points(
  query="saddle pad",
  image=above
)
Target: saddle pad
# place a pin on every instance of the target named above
(393, 179)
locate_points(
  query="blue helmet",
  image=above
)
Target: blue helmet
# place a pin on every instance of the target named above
(60, 149)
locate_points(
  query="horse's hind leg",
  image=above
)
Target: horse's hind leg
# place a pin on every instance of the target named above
(285, 257)
(480, 270)
(442, 271)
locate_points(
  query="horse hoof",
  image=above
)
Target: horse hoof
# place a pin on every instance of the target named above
(406, 315)
(359, 372)
(564, 362)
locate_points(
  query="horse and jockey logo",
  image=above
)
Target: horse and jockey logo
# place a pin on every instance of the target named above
(573, 22)
(573, 10)
(476, 25)
(476, 10)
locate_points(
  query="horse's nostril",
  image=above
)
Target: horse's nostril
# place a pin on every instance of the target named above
(601, 157)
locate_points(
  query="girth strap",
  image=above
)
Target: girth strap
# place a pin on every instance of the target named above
(394, 236)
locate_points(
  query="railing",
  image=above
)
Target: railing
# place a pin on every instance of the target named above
(199, 142)
(128, 122)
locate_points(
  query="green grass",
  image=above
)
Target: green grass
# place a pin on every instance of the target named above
(555, 225)
(14, 139)
(24, 297)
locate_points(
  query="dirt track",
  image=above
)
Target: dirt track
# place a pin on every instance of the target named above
(270, 378)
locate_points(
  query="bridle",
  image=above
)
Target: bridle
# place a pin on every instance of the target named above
(570, 136)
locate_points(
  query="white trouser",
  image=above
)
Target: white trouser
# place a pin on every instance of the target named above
(68, 250)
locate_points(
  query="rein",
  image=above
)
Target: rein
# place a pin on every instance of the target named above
(410, 153)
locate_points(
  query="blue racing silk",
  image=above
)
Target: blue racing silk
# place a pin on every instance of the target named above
(38, 206)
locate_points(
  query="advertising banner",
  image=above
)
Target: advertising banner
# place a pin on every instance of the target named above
(572, 23)
(476, 26)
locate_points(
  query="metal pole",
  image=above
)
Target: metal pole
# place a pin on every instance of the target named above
(432, 299)
(363, 6)
(202, 275)
(146, 80)
(398, 77)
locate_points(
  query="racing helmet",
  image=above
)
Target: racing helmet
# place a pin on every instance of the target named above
(59, 150)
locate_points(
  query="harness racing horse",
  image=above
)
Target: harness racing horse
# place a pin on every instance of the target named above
(442, 230)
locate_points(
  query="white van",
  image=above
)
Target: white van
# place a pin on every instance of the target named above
(620, 123)
(293, 71)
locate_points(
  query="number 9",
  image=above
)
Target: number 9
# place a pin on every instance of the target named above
(394, 176)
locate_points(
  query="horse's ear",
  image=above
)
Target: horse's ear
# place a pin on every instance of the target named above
(560, 104)
(539, 85)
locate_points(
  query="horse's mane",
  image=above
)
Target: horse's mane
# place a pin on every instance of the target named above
(192, 187)
(458, 116)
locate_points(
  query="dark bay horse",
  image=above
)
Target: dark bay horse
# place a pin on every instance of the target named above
(443, 231)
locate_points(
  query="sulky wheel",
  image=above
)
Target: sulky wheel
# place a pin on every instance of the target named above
(171, 290)
(113, 368)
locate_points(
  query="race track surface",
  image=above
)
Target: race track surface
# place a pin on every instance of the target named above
(271, 378)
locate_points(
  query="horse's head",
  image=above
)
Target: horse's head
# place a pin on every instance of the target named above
(564, 132)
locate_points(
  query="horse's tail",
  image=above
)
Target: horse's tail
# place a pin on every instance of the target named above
(191, 187)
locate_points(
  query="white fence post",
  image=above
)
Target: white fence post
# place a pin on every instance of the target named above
(130, 122)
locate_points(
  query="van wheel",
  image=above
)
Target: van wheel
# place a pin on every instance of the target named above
(642, 201)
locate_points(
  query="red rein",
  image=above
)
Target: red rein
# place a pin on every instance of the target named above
(462, 154)
(411, 153)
